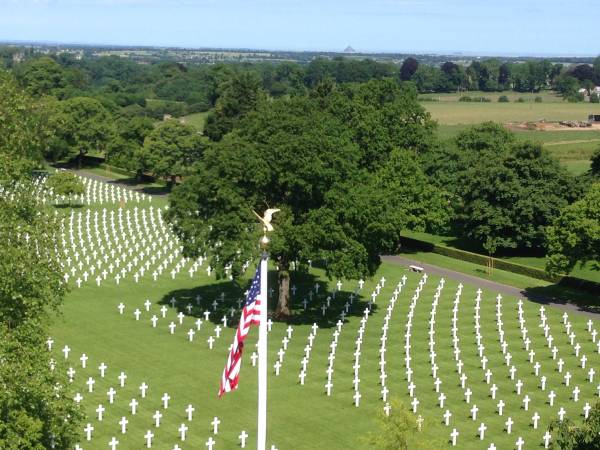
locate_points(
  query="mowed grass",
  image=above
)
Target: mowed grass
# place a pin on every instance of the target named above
(547, 96)
(197, 120)
(456, 113)
(303, 417)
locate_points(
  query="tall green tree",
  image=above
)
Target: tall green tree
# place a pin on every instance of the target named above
(301, 157)
(239, 95)
(170, 150)
(508, 200)
(82, 125)
(408, 68)
(574, 236)
(124, 149)
(504, 192)
(23, 132)
(36, 406)
(41, 76)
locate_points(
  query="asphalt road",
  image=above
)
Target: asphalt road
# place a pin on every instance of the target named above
(490, 285)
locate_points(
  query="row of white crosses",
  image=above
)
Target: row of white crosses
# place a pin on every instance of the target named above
(459, 364)
(407, 345)
(383, 340)
(140, 315)
(432, 345)
(120, 244)
(95, 192)
(307, 350)
(358, 343)
(133, 405)
(536, 367)
(335, 336)
(281, 352)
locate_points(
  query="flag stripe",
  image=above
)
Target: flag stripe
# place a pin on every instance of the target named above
(250, 316)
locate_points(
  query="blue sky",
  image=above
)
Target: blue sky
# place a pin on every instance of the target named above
(509, 27)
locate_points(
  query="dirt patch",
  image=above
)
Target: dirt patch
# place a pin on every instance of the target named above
(542, 125)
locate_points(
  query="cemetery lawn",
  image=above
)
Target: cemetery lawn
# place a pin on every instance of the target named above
(304, 417)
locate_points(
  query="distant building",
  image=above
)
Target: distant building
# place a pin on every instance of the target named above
(349, 50)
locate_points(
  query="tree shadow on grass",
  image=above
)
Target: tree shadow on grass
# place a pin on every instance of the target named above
(140, 186)
(559, 294)
(225, 298)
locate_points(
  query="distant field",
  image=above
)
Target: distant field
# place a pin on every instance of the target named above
(197, 120)
(454, 97)
(454, 113)
(577, 167)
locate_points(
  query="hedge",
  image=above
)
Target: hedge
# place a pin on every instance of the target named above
(501, 264)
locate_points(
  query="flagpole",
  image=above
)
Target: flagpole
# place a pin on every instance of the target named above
(262, 349)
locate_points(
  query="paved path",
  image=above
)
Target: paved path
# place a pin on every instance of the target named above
(490, 285)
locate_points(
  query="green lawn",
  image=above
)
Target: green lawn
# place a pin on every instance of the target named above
(577, 167)
(456, 113)
(547, 96)
(189, 371)
(197, 120)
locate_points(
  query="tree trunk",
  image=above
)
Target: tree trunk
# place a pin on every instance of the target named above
(80, 161)
(283, 310)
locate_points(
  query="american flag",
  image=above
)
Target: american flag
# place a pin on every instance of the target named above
(250, 315)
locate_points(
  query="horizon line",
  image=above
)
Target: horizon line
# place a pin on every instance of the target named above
(455, 53)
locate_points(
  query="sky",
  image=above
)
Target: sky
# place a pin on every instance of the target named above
(507, 27)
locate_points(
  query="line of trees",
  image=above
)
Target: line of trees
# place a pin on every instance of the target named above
(153, 90)
(37, 410)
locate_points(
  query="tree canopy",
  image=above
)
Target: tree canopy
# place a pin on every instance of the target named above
(169, 150)
(36, 406)
(504, 192)
(66, 184)
(304, 155)
(574, 236)
(81, 125)
(24, 133)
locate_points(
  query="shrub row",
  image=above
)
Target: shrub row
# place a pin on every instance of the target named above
(501, 264)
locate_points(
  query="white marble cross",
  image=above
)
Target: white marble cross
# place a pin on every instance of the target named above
(242, 437)
(123, 422)
(148, 436)
(88, 431)
(189, 411)
(215, 423)
(157, 416)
